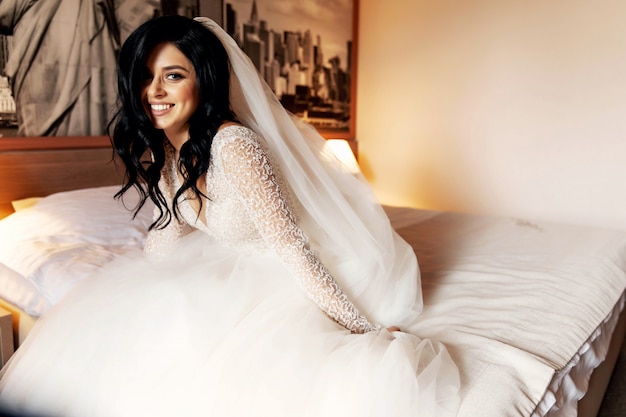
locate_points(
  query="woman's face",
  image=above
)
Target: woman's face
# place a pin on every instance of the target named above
(170, 94)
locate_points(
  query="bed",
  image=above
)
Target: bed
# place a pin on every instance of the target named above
(37, 167)
(532, 312)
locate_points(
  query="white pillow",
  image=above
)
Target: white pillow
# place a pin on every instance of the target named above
(24, 203)
(64, 238)
(15, 288)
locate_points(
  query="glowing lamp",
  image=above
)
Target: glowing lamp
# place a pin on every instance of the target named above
(342, 150)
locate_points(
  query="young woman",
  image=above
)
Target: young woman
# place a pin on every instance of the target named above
(272, 283)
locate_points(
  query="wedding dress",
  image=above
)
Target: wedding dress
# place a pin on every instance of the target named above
(251, 308)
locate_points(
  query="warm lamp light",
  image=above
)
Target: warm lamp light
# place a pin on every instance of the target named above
(342, 150)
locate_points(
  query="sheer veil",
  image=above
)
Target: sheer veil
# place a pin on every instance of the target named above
(341, 215)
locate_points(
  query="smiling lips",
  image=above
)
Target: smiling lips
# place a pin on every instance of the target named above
(161, 107)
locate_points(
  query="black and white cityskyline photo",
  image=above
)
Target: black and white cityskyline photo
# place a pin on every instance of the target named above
(302, 48)
(331, 19)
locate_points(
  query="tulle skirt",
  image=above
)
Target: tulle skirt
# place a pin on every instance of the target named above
(211, 332)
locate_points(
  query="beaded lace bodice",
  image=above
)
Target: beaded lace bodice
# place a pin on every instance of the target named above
(249, 209)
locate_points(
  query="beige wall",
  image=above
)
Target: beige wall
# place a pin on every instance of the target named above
(505, 107)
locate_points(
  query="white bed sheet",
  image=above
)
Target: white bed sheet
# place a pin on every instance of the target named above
(516, 302)
(570, 383)
(520, 304)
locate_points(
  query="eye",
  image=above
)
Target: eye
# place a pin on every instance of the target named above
(174, 76)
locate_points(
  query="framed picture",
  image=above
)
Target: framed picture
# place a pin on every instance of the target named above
(306, 50)
(58, 62)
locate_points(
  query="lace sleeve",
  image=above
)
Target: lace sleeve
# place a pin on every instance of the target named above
(248, 169)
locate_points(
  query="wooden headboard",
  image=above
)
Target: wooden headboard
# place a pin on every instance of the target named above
(37, 167)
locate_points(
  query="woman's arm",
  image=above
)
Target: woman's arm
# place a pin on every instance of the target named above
(250, 172)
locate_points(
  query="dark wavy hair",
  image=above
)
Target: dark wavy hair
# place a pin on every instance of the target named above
(139, 145)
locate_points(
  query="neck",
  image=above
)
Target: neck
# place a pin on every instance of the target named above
(177, 140)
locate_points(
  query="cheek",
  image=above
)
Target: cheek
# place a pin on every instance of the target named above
(193, 99)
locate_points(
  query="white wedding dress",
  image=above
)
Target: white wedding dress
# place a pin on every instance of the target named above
(231, 317)
(272, 302)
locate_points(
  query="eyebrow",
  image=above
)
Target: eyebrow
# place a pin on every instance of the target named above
(173, 67)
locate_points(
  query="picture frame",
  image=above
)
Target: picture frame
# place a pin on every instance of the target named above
(324, 93)
(306, 50)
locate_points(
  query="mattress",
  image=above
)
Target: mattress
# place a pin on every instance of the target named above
(525, 308)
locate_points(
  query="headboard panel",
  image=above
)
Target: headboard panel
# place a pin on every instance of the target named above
(39, 166)
(36, 167)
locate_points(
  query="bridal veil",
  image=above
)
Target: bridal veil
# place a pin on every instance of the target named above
(341, 215)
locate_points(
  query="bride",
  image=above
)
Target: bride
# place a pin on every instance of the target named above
(272, 282)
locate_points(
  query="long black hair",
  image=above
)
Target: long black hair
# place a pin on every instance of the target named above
(139, 145)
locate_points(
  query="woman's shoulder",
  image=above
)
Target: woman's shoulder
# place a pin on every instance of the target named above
(234, 132)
